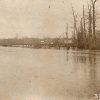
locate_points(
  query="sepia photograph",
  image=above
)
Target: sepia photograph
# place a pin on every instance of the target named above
(49, 49)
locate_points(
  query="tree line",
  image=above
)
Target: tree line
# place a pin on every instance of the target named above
(84, 33)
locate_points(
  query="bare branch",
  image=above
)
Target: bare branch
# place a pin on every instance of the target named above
(92, 2)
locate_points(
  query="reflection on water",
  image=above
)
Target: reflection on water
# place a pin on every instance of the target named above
(29, 74)
(89, 62)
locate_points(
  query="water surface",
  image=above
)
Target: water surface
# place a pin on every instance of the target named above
(45, 74)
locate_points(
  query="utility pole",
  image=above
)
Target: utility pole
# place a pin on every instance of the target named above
(67, 35)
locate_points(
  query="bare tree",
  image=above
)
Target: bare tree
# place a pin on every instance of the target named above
(89, 26)
(94, 20)
(84, 28)
(75, 25)
(84, 22)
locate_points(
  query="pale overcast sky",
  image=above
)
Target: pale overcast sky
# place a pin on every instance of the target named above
(36, 18)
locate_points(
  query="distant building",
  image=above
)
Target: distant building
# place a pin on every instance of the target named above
(68, 41)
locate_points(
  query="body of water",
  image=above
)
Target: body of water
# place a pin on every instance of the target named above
(44, 74)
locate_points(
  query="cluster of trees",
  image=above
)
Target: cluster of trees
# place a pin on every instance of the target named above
(33, 42)
(29, 42)
(85, 33)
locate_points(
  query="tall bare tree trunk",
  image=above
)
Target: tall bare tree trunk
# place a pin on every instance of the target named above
(84, 30)
(75, 27)
(89, 27)
(94, 21)
(94, 35)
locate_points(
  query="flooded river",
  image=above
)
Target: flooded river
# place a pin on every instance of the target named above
(43, 74)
